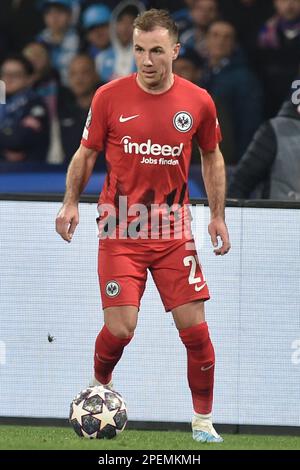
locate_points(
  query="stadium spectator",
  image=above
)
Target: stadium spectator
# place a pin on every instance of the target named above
(157, 110)
(20, 22)
(203, 13)
(188, 65)
(229, 79)
(117, 60)
(110, 3)
(46, 84)
(5, 35)
(248, 17)
(95, 23)
(270, 168)
(24, 121)
(75, 102)
(182, 14)
(59, 36)
(45, 79)
(279, 53)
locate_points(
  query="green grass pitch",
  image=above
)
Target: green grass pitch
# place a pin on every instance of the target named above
(63, 438)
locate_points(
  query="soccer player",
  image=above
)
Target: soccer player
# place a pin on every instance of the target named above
(145, 122)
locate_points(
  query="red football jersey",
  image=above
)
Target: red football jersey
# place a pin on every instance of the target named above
(147, 139)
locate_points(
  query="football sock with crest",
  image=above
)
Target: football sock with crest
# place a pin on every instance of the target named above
(200, 364)
(108, 351)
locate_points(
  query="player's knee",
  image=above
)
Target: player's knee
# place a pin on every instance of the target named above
(121, 322)
(123, 333)
(121, 330)
(189, 315)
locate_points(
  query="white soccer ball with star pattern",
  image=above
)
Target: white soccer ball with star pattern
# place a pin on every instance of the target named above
(98, 413)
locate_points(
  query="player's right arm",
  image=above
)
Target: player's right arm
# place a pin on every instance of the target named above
(82, 164)
(79, 172)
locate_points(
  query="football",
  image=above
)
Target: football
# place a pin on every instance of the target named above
(98, 413)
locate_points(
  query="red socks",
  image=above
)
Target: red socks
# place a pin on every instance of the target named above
(201, 364)
(108, 352)
(200, 355)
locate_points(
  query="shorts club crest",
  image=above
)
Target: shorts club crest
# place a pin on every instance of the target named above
(112, 289)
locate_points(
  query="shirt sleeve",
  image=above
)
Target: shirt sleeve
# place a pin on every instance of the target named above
(208, 134)
(95, 129)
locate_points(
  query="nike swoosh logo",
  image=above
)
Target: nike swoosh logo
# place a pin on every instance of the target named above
(125, 119)
(207, 367)
(198, 288)
(101, 360)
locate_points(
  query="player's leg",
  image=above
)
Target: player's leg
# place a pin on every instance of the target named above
(117, 332)
(193, 331)
(122, 278)
(181, 267)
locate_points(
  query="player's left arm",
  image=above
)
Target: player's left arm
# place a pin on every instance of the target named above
(214, 176)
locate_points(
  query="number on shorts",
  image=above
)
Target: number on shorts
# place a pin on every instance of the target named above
(192, 260)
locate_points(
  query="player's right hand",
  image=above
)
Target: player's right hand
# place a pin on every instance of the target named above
(66, 221)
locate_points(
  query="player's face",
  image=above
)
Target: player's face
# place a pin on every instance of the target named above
(154, 53)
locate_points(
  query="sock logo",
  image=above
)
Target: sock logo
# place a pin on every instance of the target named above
(112, 288)
(204, 368)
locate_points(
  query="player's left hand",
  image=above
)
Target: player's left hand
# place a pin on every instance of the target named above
(217, 230)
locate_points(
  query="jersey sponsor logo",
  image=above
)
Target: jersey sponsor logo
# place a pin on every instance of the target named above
(183, 121)
(112, 288)
(148, 148)
(128, 118)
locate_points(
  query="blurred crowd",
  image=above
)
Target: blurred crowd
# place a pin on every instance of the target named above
(55, 53)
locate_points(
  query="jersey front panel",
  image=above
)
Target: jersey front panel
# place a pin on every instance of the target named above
(147, 139)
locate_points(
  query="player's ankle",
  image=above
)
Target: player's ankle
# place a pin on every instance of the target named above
(103, 380)
(203, 416)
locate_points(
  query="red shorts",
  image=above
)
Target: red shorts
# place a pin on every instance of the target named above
(174, 265)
